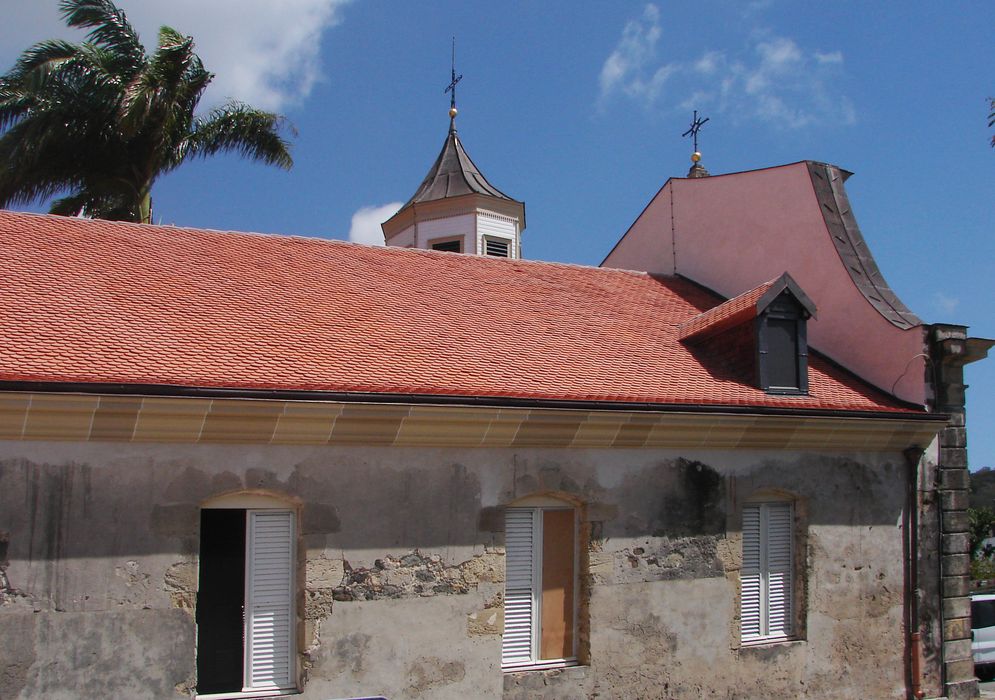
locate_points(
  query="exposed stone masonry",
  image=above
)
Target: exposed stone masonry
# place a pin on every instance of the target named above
(418, 575)
(949, 351)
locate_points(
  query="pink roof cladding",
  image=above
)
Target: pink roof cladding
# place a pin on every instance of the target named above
(97, 302)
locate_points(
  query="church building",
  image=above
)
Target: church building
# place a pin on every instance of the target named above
(727, 463)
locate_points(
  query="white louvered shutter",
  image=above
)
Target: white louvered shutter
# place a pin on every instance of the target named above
(751, 588)
(520, 578)
(765, 588)
(778, 531)
(269, 614)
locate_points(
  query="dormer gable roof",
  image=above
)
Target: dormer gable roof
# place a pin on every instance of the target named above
(744, 307)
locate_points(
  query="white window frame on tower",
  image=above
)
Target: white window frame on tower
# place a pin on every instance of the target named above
(508, 240)
(767, 595)
(448, 239)
(522, 637)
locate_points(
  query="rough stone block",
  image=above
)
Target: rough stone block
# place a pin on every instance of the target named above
(488, 621)
(956, 607)
(957, 650)
(962, 690)
(957, 543)
(953, 458)
(954, 586)
(957, 418)
(324, 573)
(954, 499)
(601, 567)
(959, 670)
(956, 564)
(957, 628)
(955, 476)
(952, 437)
(955, 521)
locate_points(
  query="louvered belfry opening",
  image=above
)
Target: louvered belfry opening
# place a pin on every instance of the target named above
(245, 612)
(540, 588)
(497, 248)
(766, 598)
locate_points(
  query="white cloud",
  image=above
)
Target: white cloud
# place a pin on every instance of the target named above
(628, 68)
(770, 79)
(262, 52)
(366, 222)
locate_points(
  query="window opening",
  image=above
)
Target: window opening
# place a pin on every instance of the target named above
(766, 576)
(453, 246)
(245, 611)
(497, 247)
(540, 589)
(783, 347)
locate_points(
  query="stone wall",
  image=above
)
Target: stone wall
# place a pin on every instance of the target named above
(403, 569)
(949, 353)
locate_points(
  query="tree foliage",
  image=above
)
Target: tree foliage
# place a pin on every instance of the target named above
(981, 522)
(98, 122)
(991, 116)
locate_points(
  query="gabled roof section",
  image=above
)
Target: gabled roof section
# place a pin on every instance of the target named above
(454, 174)
(744, 307)
(98, 303)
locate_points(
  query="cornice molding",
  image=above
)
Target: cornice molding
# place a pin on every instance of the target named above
(127, 418)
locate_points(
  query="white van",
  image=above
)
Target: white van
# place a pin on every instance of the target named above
(983, 634)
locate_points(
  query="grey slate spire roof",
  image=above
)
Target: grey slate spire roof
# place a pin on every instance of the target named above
(454, 174)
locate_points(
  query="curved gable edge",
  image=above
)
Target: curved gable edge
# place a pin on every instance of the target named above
(827, 181)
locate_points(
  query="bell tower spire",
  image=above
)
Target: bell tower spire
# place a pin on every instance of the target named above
(456, 209)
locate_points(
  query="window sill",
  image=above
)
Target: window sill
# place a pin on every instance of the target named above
(768, 643)
(550, 665)
(248, 694)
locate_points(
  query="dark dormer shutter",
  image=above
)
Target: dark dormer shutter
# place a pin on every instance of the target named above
(782, 347)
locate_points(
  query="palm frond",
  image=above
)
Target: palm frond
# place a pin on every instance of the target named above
(42, 54)
(238, 128)
(96, 123)
(109, 27)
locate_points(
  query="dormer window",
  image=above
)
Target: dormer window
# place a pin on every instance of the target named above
(759, 336)
(782, 347)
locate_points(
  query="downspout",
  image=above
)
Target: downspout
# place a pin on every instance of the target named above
(913, 643)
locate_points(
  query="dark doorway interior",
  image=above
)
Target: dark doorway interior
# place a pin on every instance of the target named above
(221, 601)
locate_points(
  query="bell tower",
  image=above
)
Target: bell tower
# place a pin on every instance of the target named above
(456, 209)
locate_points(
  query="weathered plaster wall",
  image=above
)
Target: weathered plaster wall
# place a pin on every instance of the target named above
(403, 569)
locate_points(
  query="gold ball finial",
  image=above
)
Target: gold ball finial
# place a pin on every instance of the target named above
(453, 112)
(695, 157)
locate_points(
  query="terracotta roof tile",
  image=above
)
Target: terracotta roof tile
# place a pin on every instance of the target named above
(100, 302)
(725, 315)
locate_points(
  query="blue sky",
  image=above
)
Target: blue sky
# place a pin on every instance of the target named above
(577, 108)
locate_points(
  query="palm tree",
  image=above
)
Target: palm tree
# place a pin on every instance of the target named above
(99, 121)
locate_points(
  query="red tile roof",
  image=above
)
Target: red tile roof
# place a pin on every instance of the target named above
(99, 302)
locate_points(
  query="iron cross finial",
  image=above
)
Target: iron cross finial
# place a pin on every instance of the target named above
(452, 86)
(696, 124)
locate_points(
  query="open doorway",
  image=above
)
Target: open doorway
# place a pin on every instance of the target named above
(245, 611)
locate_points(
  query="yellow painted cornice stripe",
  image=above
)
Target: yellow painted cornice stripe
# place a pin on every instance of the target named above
(120, 418)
